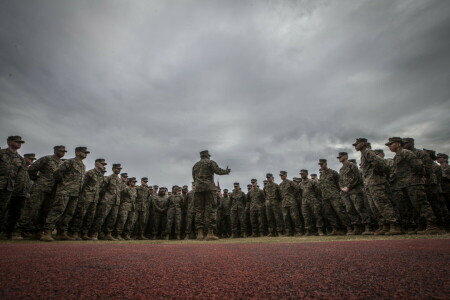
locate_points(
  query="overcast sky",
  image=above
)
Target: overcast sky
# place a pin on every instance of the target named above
(263, 85)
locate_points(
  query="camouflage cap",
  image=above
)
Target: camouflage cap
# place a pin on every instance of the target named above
(283, 173)
(322, 161)
(313, 175)
(394, 139)
(378, 151)
(117, 166)
(155, 186)
(269, 175)
(341, 154)
(303, 171)
(408, 140)
(101, 160)
(31, 156)
(144, 179)
(205, 153)
(359, 140)
(442, 155)
(15, 138)
(225, 190)
(236, 184)
(60, 148)
(265, 181)
(249, 185)
(185, 187)
(132, 179)
(82, 149)
(124, 174)
(150, 187)
(163, 188)
(253, 180)
(175, 187)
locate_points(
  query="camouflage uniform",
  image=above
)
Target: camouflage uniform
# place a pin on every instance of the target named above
(403, 209)
(445, 183)
(289, 191)
(160, 217)
(126, 210)
(311, 208)
(69, 178)
(174, 203)
(190, 213)
(238, 203)
(225, 206)
(142, 208)
(435, 190)
(256, 202)
(273, 208)
(111, 219)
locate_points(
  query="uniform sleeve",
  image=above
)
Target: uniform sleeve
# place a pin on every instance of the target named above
(415, 163)
(218, 170)
(35, 167)
(355, 177)
(59, 172)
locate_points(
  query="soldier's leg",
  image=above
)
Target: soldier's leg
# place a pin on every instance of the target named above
(418, 198)
(355, 219)
(329, 213)
(121, 220)
(42, 213)
(317, 212)
(243, 221)
(254, 221)
(339, 210)
(270, 219)
(142, 222)
(13, 215)
(278, 214)
(170, 220)
(188, 223)
(157, 224)
(227, 225)
(56, 212)
(380, 199)
(210, 212)
(308, 214)
(199, 208)
(400, 206)
(27, 220)
(286, 219)
(129, 224)
(261, 217)
(295, 217)
(78, 217)
(5, 198)
(365, 195)
(63, 223)
(89, 217)
(358, 203)
(177, 223)
(111, 219)
(102, 212)
(234, 221)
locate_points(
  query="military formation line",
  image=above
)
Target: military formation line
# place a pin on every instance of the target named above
(406, 194)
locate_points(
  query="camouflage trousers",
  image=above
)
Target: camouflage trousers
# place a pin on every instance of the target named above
(256, 220)
(16, 204)
(334, 212)
(190, 221)
(437, 202)
(291, 215)
(61, 212)
(380, 203)
(173, 220)
(404, 211)
(354, 205)
(225, 225)
(312, 213)
(205, 211)
(141, 221)
(372, 215)
(274, 217)
(35, 211)
(125, 220)
(160, 220)
(105, 217)
(5, 198)
(417, 197)
(83, 217)
(238, 220)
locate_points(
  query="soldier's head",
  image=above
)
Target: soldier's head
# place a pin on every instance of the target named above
(323, 163)
(116, 168)
(59, 151)
(155, 188)
(185, 189)
(236, 186)
(81, 152)
(225, 192)
(304, 174)
(218, 190)
(431, 153)
(283, 175)
(150, 189)
(395, 143)
(343, 157)
(204, 154)
(29, 158)
(254, 182)
(162, 191)
(314, 177)
(379, 152)
(249, 187)
(296, 179)
(100, 164)
(441, 157)
(269, 177)
(144, 181)
(408, 143)
(169, 193)
(132, 181)
(353, 161)
(175, 190)
(265, 182)
(14, 142)
(360, 144)
(124, 177)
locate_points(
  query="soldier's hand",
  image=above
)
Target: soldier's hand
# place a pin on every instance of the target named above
(228, 169)
(345, 189)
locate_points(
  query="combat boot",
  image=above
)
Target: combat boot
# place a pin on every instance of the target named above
(431, 229)
(395, 229)
(234, 235)
(46, 236)
(308, 233)
(109, 237)
(119, 237)
(261, 234)
(320, 230)
(94, 236)
(367, 230)
(333, 231)
(142, 237)
(286, 234)
(126, 237)
(166, 237)
(200, 235)
(211, 236)
(349, 230)
(101, 236)
(85, 237)
(380, 227)
(254, 235)
(27, 235)
(383, 230)
(16, 235)
(270, 234)
(178, 237)
(75, 236)
(244, 235)
(298, 234)
(62, 236)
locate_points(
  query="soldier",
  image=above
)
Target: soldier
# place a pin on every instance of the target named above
(111, 219)
(409, 174)
(126, 210)
(160, 210)
(143, 200)
(36, 209)
(20, 195)
(69, 178)
(350, 183)
(184, 192)
(314, 177)
(238, 203)
(256, 199)
(174, 203)
(442, 159)
(329, 185)
(375, 172)
(226, 214)
(247, 211)
(218, 207)
(311, 207)
(190, 213)
(203, 174)
(289, 191)
(109, 197)
(87, 205)
(273, 206)
(10, 164)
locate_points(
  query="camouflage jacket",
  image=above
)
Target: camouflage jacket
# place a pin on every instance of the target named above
(190, 201)
(408, 169)
(22, 185)
(430, 176)
(256, 199)
(128, 198)
(272, 194)
(203, 174)
(10, 165)
(111, 188)
(160, 204)
(289, 193)
(143, 198)
(42, 170)
(329, 184)
(310, 190)
(174, 202)
(445, 181)
(69, 177)
(350, 177)
(92, 184)
(225, 205)
(238, 200)
(374, 168)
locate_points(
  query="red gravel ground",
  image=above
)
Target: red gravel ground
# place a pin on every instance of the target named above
(407, 269)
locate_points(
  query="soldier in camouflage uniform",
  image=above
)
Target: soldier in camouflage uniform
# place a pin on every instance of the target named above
(160, 211)
(36, 209)
(238, 201)
(125, 216)
(350, 183)
(248, 223)
(256, 200)
(329, 186)
(111, 219)
(218, 201)
(109, 197)
(203, 173)
(20, 196)
(442, 159)
(69, 178)
(409, 175)
(87, 205)
(143, 200)
(289, 191)
(174, 203)
(190, 213)
(11, 163)
(225, 205)
(184, 192)
(273, 206)
(311, 206)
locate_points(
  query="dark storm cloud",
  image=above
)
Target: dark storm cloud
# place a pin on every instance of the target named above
(264, 86)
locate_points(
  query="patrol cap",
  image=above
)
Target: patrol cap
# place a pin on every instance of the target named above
(175, 187)
(359, 140)
(322, 161)
(205, 153)
(236, 184)
(132, 179)
(31, 156)
(249, 185)
(60, 148)
(294, 178)
(395, 139)
(283, 173)
(303, 171)
(163, 188)
(408, 140)
(124, 174)
(117, 166)
(15, 138)
(253, 180)
(442, 155)
(144, 179)
(341, 154)
(82, 149)
(265, 181)
(155, 186)
(101, 160)
(269, 175)
(377, 151)
(225, 190)
(313, 175)
(185, 187)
